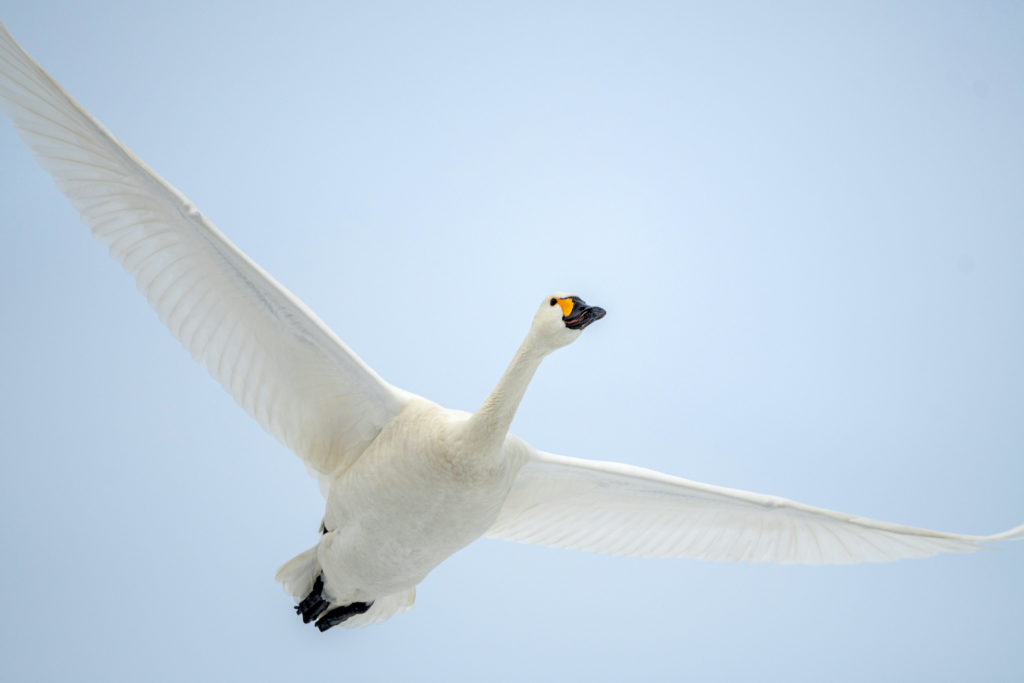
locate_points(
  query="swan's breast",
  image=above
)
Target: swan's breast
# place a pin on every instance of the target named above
(421, 491)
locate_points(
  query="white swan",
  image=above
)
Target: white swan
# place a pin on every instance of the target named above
(407, 482)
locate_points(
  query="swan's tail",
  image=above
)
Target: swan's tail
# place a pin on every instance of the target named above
(383, 609)
(298, 574)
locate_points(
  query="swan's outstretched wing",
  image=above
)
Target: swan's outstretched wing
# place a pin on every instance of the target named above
(278, 360)
(623, 510)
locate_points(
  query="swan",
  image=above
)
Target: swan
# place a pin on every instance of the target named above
(407, 482)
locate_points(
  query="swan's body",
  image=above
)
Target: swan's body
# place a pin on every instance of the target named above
(407, 482)
(421, 491)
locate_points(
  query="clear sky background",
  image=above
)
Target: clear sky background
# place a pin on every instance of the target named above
(806, 223)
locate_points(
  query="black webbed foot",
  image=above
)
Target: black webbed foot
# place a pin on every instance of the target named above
(340, 614)
(313, 605)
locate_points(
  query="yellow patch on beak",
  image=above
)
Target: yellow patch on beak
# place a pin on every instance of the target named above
(566, 305)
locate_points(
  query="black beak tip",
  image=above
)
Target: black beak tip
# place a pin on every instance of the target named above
(585, 316)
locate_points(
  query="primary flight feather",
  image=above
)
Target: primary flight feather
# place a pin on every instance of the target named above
(407, 482)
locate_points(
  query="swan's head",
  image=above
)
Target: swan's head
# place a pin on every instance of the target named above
(561, 318)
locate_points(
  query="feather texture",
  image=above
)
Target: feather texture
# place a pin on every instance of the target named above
(278, 360)
(619, 509)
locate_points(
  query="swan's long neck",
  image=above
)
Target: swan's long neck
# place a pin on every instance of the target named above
(492, 421)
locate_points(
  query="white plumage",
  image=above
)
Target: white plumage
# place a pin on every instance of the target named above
(407, 482)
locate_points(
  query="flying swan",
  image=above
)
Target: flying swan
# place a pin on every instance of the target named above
(407, 482)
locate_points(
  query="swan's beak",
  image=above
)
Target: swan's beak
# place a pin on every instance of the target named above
(581, 314)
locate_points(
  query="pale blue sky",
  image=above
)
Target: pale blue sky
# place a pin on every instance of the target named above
(806, 223)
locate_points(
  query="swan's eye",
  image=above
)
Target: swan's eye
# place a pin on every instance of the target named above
(554, 301)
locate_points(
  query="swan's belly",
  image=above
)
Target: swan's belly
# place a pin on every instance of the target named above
(408, 503)
(400, 543)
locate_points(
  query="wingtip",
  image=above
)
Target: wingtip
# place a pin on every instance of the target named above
(7, 38)
(1014, 534)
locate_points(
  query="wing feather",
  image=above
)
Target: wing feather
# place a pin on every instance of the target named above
(278, 360)
(624, 510)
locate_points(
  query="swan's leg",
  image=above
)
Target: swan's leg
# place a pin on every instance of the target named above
(313, 605)
(340, 614)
